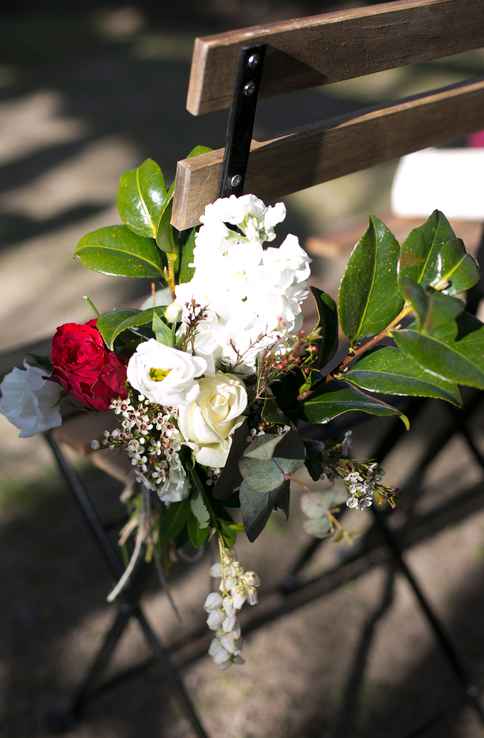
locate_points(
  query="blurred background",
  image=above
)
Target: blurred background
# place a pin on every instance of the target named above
(85, 93)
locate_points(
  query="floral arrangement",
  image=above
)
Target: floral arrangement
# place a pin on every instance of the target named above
(222, 396)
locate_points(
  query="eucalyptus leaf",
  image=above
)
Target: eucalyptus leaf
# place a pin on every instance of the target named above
(162, 331)
(113, 324)
(332, 403)
(256, 507)
(141, 197)
(199, 509)
(369, 298)
(455, 351)
(433, 309)
(391, 372)
(432, 253)
(117, 251)
(327, 325)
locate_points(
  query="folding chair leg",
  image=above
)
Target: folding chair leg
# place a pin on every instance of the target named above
(129, 607)
(471, 691)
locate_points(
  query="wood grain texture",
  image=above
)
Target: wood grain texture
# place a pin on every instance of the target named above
(325, 151)
(331, 47)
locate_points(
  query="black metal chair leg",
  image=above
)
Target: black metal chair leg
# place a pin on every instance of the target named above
(129, 607)
(471, 691)
(172, 672)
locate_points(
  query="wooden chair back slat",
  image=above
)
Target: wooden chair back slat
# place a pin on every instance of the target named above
(331, 47)
(324, 151)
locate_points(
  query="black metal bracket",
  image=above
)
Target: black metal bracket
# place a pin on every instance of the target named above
(240, 124)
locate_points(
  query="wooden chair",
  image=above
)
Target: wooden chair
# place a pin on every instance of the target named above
(232, 70)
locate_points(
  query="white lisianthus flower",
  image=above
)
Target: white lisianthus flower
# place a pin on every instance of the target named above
(165, 375)
(207, 423)
(30, 400)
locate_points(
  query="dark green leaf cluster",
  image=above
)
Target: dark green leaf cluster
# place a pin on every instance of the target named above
(409, 297)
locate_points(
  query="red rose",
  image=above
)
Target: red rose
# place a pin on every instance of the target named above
(84, 366)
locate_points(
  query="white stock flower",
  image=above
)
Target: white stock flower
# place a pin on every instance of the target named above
(165, 375)
(30, 400)
(208, 422)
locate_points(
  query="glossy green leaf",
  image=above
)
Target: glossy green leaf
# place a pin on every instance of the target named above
(166, 239)
(272, 413)
(186, 270)
(327, 325)
(197, 150)
(113, 324)
(332, 403)
(391, 372)
(117, 251)
(433, 309)
(455, 351)
(141, 198)
(369, 298)
(163, 332)
(433, 253)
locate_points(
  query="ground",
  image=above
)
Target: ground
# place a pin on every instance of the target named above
(81, 99)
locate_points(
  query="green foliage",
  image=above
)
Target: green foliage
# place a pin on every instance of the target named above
(369, 298)
(327, 325)
(331, 403)
(454, 351)
(142, 198)
(185, 272)
(113, 324)
(163, 333)
(118, 252)
(265, 467)
(391, 372)
(432, 309)
(173, 519)
(432, 253)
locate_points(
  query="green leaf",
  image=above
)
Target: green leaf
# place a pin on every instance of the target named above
(141, 197)
(199, 509)
(229, 531)
(331, 404)
(455, 351)
(432, 309)
(173, 519)
(186, 270)
(166, 239)
(256, 507)
(368, 297)
(197, 534)
(391, 372)
(162, 331)
(197, 150)
(432, 253)
(113, 324)
(272, 413)
(327, 324)
(117, 251)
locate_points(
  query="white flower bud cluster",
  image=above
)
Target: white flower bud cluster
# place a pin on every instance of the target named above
(153, 444)
(315, 506)
(361, 486)
(237, 587)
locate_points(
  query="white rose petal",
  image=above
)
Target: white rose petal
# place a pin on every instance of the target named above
(165, 375)
(208, 422)
(30, 400)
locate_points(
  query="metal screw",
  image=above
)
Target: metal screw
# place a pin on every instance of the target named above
(249, 88)
(253, 61)
(235, 180)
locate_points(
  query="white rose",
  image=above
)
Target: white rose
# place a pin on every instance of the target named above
(208, 423)
(165, 375)
(30, 400)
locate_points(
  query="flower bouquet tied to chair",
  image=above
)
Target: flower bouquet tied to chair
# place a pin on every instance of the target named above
(224, 399)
